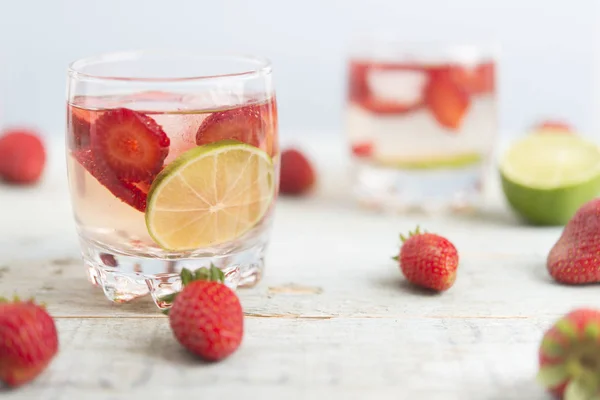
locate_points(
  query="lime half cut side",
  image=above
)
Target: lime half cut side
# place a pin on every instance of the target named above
(546, 178)
(210, 195)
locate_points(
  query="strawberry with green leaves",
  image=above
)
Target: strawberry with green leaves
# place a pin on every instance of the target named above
(569, 356)
(428, 260)
(206, 317)
(28, 341)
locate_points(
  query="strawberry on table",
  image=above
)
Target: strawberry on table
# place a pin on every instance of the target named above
(206, 317)
(297, 175)
(28, 341)
(131, 144)
(574, 257)
(447, 100)
(22, 156)
(428, 260)
(569, 356)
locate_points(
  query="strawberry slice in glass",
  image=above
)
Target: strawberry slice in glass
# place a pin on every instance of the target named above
(447, 101)
(130, 144)
(249, 124)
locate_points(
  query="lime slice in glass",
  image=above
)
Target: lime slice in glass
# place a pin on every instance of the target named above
(210, 195)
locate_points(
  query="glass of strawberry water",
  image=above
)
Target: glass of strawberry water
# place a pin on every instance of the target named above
(421, 121)
(172, 162)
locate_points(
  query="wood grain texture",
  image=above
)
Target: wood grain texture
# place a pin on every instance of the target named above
(332, 319)
(425, 358)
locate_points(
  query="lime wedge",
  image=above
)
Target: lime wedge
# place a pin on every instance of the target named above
(209, 195)
(546, 178)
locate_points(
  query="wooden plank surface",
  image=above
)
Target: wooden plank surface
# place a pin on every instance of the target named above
(332, 319)
(110, 358)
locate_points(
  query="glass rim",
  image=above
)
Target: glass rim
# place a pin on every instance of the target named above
(76, 68)
(389, 44)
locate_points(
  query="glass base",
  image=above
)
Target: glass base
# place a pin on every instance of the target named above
(124, 278)
(413, 190)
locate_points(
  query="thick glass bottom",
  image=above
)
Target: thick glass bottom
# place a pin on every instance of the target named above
(418, 190)
(125, 277)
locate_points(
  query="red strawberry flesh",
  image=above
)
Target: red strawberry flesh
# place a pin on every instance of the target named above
(28, 341)
(447, 101)
(206, 317)
(134, 194)
(479, 79)
(574, 257)
(79, 123)
(362, 149)
(428, 260)
(22, 156)
(248, 124)
(131, 144)
(297, 175)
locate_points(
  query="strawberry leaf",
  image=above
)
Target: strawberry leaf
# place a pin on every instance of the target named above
(567, 328)
(552, 348)
(202, 274)
(216, 275)
(186, 276)
(592, 330)
(551, 376)
(577, 390)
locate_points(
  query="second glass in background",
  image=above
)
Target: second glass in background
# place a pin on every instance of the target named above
(421, 121)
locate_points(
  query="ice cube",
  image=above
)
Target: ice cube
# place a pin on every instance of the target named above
(397, 86)
(181, 129)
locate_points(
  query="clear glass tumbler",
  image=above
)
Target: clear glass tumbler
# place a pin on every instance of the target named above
(421, 121)
(173, 162)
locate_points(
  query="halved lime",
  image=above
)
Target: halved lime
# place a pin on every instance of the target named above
(546, 178)
(209, 195)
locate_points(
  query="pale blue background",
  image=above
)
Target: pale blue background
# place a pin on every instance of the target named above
(548, 48)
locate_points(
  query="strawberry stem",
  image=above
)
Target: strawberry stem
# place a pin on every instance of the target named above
(213, 274)
(416, 232)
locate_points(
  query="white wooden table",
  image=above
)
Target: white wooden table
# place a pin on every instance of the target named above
(332, 319)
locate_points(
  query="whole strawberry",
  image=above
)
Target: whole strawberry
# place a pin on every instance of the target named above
(206, 316)
(428, 260)
(22, 157)
(569, 356)
(574, 257)
(28, 341)
(297, 176)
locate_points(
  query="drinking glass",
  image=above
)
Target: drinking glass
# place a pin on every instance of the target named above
(421, 122)
(173, 162)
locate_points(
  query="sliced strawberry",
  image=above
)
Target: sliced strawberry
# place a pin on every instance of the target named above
(78, 126)
(246, 124)
(269, 113)
(130, 193)
(109, 260)
(358, 88)
(446, 100)
(131, 144)
(363, 149)
(475, 80)
(384, 107)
